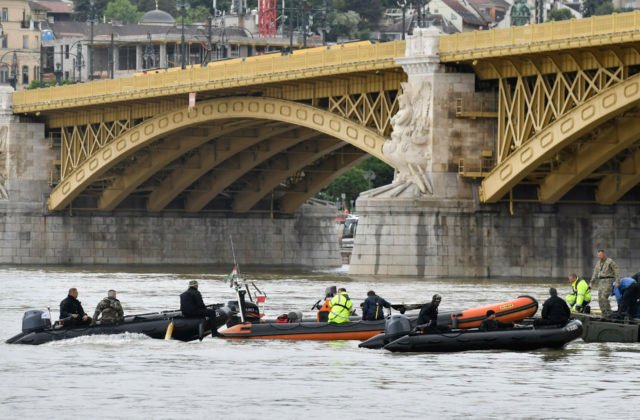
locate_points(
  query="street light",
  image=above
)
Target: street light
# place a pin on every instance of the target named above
(182, 6)
(92, 20)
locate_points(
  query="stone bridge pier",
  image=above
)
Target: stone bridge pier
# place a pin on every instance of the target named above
(430, 223)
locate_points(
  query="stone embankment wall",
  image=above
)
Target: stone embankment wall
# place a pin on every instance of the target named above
(29, 234)
(461, 239)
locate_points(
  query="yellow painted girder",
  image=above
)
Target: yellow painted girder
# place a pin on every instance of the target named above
(211, 156)
(575, 123)
(614, 186)
(262, 184)
(228, 74)
(589, 157)
(597, 31)
(213, 184)
(323, 175)
(205, 112)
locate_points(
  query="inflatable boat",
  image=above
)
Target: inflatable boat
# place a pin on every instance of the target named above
(357, 329)
(609, 330)
(37, 328)
(519, 339)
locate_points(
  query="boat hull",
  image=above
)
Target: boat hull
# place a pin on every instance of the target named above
(518, 339)
(153, 325)
(600, 330)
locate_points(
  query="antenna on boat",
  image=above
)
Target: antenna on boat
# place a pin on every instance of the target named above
(233, 251)
(234, 282)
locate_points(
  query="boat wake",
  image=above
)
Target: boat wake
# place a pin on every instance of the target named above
(115, 340)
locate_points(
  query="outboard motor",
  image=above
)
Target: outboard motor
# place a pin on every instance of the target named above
(396, 326)
(330, 292)
(35, 320)
(251, 312)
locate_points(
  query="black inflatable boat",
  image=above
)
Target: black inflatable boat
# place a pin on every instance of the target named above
(397, 339)
(37, 328)
(518, 339)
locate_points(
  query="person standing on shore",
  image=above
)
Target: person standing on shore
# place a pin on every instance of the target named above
(605, 272)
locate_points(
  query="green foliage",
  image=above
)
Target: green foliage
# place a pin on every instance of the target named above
(82, 9)
(559, 14)
(343, 24)
(122, 11)
(371, 173)
(605, 8)
(199, 14)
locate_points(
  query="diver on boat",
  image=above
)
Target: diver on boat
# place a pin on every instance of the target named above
(580, 296)
(192, 306)
(428, 317)
(373, 307)
(110, 309)
(341, 307)
(71, 312)
(325, 309)
(492, 324)
(555, 311)
(627, 293)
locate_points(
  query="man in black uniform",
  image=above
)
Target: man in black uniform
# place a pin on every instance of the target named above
(492, 324)
(555, 311)
(71, 310)
(192, 306)
(428, 318)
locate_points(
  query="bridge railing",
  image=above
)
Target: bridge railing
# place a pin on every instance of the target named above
(481, 44)
(248, 71)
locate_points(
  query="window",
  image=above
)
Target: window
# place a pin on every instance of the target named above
(4, 75)
(25, 42)
(5, 41)
(25, 75)
(36, 71)
(66, 52)
(35, 42)
(5, 14)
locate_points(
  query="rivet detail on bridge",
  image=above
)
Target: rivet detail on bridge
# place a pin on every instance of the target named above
(207, 109)
(237, 107)
(567, 126)
(65, 188)
(223, 108)
(135, 136)
(546, 140)
(352, 133)
(335, 125)
(285, 110)
(631, 90)
(254, 107)
(106, 155)
(588, 112)
(178, 117)
(93, 164)
(80, 175)
(148, 129)
(301, 114)
(526, 154)
(163, 122)
(120, 145)
(318, 119)
(609, 100)
(269, 108)
(506, 172)
(369, 141)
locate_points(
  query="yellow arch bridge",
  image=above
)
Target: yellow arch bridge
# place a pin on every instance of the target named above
(266, 133)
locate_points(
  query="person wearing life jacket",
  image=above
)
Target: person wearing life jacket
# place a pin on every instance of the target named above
(373, 307)
(323, 311)
(580, 297)
(341, 307)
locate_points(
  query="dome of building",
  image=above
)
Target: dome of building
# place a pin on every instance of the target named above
(157, 17)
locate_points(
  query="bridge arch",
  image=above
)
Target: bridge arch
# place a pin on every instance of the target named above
(227, 109)
(565, 130)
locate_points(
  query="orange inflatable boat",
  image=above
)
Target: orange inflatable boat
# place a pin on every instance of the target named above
(510, 311)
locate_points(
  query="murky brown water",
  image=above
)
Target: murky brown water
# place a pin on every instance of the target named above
(131, 376)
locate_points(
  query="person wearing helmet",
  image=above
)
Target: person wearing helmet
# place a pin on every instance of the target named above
(428, 317)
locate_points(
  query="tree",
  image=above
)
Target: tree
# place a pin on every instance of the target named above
(589, 7)
(605, 8)
(122, 11)
(559, 14)
(343, 24)
(82, 9)
(371, 173)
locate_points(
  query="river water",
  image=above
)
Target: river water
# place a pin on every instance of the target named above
(131, 376)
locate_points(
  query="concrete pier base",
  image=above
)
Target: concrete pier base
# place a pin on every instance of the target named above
(457, 238)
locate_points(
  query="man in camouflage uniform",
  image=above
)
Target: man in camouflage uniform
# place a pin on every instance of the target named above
(111, 310)
(604, 274)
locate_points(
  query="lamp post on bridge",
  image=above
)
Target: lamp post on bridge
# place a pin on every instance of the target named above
(182, 6)
(92, 20)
